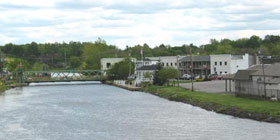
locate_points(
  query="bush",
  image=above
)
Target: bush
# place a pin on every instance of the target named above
(199, 80)
(168, 73)
(145, 84)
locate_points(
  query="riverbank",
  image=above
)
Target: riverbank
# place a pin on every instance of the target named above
(260, 110)
(9, 85)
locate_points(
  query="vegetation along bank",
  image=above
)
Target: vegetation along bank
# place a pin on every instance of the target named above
(260, 110)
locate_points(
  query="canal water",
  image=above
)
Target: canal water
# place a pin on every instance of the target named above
(102, 112)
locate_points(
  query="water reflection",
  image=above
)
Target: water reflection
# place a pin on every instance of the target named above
(104, 112)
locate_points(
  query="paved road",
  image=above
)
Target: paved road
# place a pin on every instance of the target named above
(216, 86)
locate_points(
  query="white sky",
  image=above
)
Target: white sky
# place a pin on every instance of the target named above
(132, 22)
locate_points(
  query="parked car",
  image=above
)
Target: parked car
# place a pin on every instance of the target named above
(212, 76)
(220, 77)
(215, 77)
(186, 77)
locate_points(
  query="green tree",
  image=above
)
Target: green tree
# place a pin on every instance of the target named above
(14, 63)
(75, 62)
(147, 75)
(157, 80)
(93, 52)
(168, 73)
(121, 70)
(39, 66)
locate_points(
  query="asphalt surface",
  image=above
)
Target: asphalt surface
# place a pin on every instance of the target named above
(215, 86)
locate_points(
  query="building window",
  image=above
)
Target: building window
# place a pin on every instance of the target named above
(108, 65)
(225, 72)
(180, 64)
(175, 64)
(221, 72)
(215, 63)
(171, 64)
(225, 63)
(167, 64)
(221, 63)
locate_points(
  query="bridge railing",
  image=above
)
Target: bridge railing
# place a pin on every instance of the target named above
(63, 75)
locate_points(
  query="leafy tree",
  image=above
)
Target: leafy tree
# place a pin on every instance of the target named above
(168, 73)
(39, 66)
(157, 80)
(93, 52)
(121, 70)
(147, 75)
(254, 42)
(14, 63)
(75, 62)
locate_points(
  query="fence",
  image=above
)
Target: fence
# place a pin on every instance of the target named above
(270, 93)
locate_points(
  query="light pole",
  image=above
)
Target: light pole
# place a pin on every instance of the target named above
(264, 86)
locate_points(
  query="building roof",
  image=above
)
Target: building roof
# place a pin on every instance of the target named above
(148, 67)
(196, 58)
(243, 74)
(269, 70)
(158, 58)
(257, 67)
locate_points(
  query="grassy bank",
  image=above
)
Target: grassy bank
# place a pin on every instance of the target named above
(222, 103)
(4, 88)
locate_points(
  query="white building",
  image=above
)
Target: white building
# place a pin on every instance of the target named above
(168, 61)
(230, 64)
(140, 74)
(107, 63)
(145, 62)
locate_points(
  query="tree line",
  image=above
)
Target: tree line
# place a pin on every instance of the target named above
(87, 55)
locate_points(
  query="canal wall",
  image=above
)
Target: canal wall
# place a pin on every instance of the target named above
(122, 84)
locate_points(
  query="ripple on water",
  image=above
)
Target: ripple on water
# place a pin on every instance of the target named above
(104, 112)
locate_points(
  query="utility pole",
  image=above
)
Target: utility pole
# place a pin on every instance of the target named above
(191, 66)
(264, 86)
(129, 64)
(65, 62)
(177, 65)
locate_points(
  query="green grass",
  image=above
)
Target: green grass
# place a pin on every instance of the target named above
(224, 100)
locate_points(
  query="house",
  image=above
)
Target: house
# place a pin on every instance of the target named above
(251, 81)
(142, 71)
(168, 61)
(107, 63)
(223, 64)
(201, 65)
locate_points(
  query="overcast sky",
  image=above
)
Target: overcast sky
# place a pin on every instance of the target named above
(131, 22)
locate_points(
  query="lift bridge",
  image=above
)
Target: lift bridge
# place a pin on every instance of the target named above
(56, 76)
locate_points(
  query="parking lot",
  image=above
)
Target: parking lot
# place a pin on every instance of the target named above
(215, 86)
